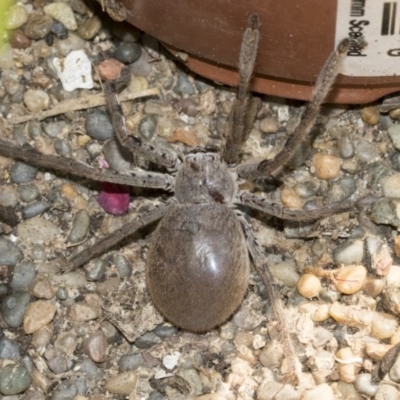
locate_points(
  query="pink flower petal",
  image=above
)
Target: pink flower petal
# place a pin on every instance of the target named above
(114, 198)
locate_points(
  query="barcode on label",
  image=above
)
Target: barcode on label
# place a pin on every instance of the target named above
(389, 19)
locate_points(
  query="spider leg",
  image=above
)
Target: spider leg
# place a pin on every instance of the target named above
(322, 87)
(264, 205)
(294, 369)
(245, 108)
(162, 157)
(117, 236)
(64, 165)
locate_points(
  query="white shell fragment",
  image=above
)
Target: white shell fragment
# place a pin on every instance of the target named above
(74, 71)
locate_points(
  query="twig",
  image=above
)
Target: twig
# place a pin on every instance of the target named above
(82, 103)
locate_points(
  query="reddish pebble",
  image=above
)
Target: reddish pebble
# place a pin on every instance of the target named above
(110, 69)
(19, 41)
(114, 198)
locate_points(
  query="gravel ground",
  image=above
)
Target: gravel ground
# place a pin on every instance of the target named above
(94, 333)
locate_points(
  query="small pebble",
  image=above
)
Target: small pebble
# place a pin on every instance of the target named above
(346, 147)
(74, 71)
(342, 189)
(57, 361)
(34, 209)
(59, 30)
(36, 100)
(326, 166)
(165, 330)
(9, 349)
(321, 337)
(349, 252)
(323, 391)
(19, 41)
(290, 199)
(118, 157)
(81, 312)
(37, 231)
(96, 346)
(38, 26)
(365, 386)
(366, 151)
(395, 160)
(147, 340)
(391, 186)
(122, 265)
(386, 392)
(95, 269)
(62, 293)
(147, 126)
(384, 211)
(43, 337)
(269, 125)
(123, 383)
(370, 115)
(14, 379)
(65, 391)
(42, 289)
(127, 53)
(309, 286)
(394, 133)
(285, 273)
(130, 361)
(8, 196)
(71, 44)
(110, 69)
(22, 173)
(23, 275)
(38, 315)
(28, 193)
(80, 227)
(170, 361)
(10, 254)
(89, 28)
(15, 17)
(350, 280)
(13, 308)
(63, 13)
(183, 85)
(271, 355)
(67, 342)
(305, 190)
(98, 125)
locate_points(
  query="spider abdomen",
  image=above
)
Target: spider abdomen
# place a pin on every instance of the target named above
(198, 265)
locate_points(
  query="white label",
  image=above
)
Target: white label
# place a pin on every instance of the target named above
(374, 29)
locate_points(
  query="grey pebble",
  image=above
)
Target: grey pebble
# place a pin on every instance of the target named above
(57, 361)
(306, 189)
(346, 147)
(65, 391)
(191, 376)
(34, 129)
(147, 126)
(3, 289)
(349, 252)
(14, 379)
(8, 196)
(329, 295)
(365, 386)
(62, 293)
(94, 149)
(358, 232)
(9, 349)
(125, 32)
(23, 275)
(300, 155)
(130, 361)
(61, 147)
(154, 395)
(394, 133)
(73, 42)
(183, 86)
(32, 394)
(28, 192)
(321, 337)
(53, 129)
(80, 227)
(128, 53)
(395, 160)
(13, 308)
(163, 331)
(22, 173)
(92, 372)
(118, 157)
(59, 30)
(147, 340)
(11, 86)
(38, 253)
(38, 26)
(95, 270)
(366, 151)
(384, 211)
(342, 189)
(377, 172)
(10, 254)
(98, 125)
(123, 266)
(35, 209)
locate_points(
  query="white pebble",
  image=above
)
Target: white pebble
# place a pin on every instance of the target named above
(16, 16)
(74, 71)
(171, 360)
(63, 13)
(36, 100)
(391, 186)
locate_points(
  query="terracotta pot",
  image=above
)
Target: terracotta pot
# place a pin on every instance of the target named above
(296, 39)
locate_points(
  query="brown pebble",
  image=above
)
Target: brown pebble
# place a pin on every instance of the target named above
(326, 166)
(123, 383)
(349, 280)
(18, 40)
(308, 286)
(184, 136)
(373, 286)
(370, 115)
(110, 69)
(82, 312)
(397, 246)
(38, 315)
(395, 114)
(42, 289)
(96, 346)
(290, 199)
